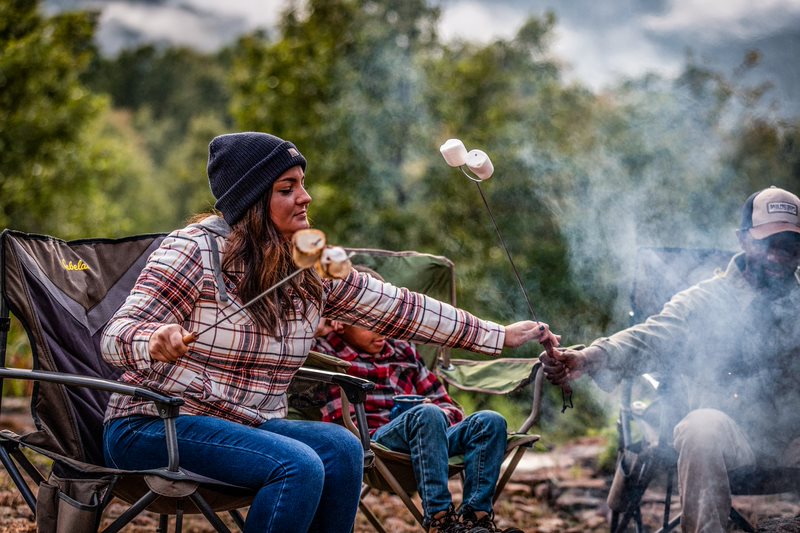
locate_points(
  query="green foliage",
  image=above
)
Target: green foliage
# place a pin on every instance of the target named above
(112, 146)
(167, 88)
(17, 355)
(343, 84)
(43, 108)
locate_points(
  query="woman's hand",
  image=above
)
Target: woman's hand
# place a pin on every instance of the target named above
(166, 343)
(519, 333)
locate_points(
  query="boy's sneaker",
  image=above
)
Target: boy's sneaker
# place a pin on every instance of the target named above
(449, 523)
(484, 525)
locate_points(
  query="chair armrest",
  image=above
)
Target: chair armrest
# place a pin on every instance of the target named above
(355, 388)
(537, 387)
(355, 393)
(168, 406)
(76, 380)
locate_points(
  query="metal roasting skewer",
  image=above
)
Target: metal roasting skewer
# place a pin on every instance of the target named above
(191, 337)
(566, 389)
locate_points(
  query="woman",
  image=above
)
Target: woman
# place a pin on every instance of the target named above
(234, 377)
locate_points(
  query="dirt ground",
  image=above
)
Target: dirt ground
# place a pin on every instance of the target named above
(556, 491)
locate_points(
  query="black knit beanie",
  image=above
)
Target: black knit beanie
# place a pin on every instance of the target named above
(243, 166)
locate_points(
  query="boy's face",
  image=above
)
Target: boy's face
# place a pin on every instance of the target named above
(363, 340)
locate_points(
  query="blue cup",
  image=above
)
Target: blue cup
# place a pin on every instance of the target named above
(404, 402)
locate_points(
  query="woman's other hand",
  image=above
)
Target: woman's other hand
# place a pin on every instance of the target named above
(519, 333)
(166, 343)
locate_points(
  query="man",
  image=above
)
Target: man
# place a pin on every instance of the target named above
(736, 341)
(431, 431)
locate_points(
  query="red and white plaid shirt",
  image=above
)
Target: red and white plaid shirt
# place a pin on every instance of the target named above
(397, 369)
(239, 371)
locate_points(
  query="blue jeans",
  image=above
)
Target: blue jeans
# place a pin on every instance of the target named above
(423, 433)
(307, 474)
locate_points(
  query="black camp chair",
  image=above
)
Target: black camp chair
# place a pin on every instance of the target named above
(63, 293)
(435, 276)
(652, 404)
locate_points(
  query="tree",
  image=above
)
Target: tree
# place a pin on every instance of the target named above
(43, 108)
(68, 166)
(342, 83)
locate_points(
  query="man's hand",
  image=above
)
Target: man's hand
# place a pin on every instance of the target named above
(166, 343)
(519, 333)
(565, 365)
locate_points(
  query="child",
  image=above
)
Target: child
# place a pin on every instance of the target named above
(431, 431)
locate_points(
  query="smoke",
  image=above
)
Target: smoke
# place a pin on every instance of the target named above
(662, 183)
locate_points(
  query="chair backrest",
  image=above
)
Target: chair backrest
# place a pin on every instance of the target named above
(64, 293)
(662, 272)
(433, 275)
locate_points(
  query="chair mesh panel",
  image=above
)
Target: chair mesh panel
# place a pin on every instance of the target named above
(433, 275)
(64, 293)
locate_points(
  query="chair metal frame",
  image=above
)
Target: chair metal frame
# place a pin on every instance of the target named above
(169, 490)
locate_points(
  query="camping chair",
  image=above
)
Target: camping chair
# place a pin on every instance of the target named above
(63, 293)
(651, 404)
(435, 276)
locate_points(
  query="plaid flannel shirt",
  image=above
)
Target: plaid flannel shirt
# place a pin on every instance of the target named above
(397, 369)
(238, 371)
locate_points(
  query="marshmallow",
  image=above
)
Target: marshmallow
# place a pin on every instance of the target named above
(307, 245)
(334, 263)
(480, 164)
(454, 152)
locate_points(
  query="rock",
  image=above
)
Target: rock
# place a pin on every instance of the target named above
(779, 525)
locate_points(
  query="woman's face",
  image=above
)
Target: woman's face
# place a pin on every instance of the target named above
(288, 206)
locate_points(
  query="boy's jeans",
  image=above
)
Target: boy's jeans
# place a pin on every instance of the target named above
(307, 474)
(423, 433)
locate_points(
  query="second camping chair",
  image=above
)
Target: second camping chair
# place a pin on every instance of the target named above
(435, 276)
(652, 404)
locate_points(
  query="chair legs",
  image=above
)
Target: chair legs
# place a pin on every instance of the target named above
(237, 519)
(371, 517)
(16, 475)
(741, 521)
(131, 512)
(163, 523)
(399, 490)
(209, 513)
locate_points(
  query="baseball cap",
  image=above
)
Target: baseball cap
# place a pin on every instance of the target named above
(770, 211)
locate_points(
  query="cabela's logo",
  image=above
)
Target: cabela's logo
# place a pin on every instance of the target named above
(80, 265)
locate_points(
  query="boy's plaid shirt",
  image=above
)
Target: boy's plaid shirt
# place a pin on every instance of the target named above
(397, 369)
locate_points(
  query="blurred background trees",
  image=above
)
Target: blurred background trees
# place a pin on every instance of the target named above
(109, 146)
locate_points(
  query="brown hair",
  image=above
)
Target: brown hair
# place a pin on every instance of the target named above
(255, 247)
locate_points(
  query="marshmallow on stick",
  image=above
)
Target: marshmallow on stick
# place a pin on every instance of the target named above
(454, 152)
(334, 263)
(307, 246)
(480, 164)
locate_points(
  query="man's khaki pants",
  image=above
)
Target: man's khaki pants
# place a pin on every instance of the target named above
(710, 444)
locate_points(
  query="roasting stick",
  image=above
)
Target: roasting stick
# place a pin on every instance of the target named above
(308, 250)
(456, 155)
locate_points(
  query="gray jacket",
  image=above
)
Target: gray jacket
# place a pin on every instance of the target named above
(738, 350)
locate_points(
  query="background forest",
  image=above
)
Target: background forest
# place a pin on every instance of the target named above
(95, 146)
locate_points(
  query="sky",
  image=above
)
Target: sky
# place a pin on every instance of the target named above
(597, 42)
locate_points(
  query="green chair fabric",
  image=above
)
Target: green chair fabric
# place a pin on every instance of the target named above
(435, 276)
